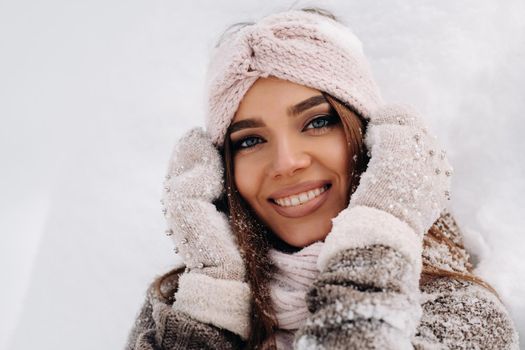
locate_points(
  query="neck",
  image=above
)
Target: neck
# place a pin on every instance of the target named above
(281, 246)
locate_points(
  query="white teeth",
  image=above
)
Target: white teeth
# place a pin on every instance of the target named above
(303, 197)
(300, 198)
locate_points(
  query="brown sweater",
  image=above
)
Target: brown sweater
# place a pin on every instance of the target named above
(364, 300)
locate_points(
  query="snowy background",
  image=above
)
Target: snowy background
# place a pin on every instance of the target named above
(94, 93)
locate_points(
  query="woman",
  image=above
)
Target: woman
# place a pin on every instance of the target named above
(310, 214)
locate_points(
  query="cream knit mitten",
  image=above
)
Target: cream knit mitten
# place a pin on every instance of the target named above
(402, 192)
(213, 288)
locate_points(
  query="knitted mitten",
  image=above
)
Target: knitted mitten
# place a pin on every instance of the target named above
(402, 192)
(212, 289)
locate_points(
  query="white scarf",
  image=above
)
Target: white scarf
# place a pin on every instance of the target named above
(295, 273)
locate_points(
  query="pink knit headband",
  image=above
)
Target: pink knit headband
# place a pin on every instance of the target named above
(298, 46)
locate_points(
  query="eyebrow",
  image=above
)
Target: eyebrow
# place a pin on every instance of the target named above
(292, 111)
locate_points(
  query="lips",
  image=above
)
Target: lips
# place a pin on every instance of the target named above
(306, 207)
(300, 198)
(296, 189)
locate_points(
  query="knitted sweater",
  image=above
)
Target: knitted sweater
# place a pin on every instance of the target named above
(456, 314)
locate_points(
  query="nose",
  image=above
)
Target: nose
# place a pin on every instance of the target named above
(288, 158)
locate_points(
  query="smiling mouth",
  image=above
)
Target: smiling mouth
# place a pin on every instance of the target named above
(301, 198)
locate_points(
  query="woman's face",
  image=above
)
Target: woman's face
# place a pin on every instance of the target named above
(291, 159)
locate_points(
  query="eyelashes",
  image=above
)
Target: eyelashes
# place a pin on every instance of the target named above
(316, 126)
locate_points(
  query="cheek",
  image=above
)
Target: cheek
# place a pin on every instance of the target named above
(336, 156)
(247, 179)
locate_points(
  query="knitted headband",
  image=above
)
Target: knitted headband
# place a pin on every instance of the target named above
(302, 47)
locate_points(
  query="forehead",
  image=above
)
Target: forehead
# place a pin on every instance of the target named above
(272, 95)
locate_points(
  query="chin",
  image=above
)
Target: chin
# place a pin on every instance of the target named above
(302, 234)
(301, 240)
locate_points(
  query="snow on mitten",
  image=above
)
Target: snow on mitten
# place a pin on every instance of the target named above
(213, 288)
(402, 192)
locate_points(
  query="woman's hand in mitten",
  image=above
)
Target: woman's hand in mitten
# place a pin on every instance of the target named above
(403, 190)
(212, 289)
(408, 174)
(201, 233)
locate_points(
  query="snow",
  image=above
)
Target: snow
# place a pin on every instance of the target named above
(93, 95)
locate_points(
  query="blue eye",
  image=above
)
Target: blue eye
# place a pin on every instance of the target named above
(322, 122)
(247, 142)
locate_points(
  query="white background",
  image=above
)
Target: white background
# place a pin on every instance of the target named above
(94, 93)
